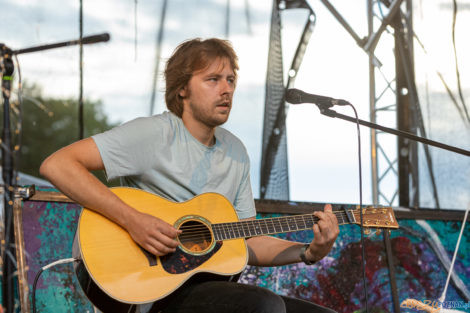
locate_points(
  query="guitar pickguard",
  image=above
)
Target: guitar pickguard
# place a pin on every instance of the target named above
(150, 257)
(182, 262)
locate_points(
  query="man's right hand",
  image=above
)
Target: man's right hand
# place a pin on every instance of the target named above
(77, 160)
(153, 234)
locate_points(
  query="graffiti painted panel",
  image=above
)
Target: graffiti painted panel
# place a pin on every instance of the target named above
(422, 253)
(336, 281)
(49, 228)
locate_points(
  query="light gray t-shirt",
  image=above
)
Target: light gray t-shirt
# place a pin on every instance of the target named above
(158, 154)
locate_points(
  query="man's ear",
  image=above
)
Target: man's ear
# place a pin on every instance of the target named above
(183, 92)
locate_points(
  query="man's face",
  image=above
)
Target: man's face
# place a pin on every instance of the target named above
(207, 98)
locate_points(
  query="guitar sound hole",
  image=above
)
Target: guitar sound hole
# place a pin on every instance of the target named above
(196, 236)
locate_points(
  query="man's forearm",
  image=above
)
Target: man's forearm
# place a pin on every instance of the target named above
(74, 180)
(272, 251)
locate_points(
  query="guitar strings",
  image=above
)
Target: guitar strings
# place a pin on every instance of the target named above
(282, 220)
(252, 227)
(287, 221)
(248, 224)
(235, 229)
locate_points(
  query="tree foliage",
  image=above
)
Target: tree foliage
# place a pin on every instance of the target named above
(49, 124)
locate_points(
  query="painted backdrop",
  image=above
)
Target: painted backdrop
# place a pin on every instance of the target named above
(419, 249)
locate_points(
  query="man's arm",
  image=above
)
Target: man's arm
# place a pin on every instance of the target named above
(69, 170)
(271, 251)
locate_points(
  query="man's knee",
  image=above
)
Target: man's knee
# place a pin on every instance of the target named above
(266, 301)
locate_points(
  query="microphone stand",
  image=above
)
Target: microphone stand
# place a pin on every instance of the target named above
(325, 110)
(325, 106)
(6, 73)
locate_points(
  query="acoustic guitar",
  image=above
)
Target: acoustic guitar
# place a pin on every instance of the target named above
(116, 273)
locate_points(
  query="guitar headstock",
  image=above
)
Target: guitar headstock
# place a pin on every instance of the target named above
(376, 217)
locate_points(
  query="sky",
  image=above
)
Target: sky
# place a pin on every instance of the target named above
(323, 152)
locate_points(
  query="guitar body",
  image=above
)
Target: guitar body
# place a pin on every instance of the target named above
(119, 273)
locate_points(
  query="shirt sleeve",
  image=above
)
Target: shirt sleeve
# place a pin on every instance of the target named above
(128, 149)
(244, 202)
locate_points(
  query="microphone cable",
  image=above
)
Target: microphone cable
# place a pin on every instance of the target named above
(360, 208)
(444, 292)
(62, 261)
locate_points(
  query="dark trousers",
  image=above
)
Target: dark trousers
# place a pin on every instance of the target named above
(230, 297)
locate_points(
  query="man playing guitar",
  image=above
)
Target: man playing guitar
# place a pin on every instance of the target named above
(178, 155)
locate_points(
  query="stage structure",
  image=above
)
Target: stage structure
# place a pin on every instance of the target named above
(10, 155)
(274, 182)
(394, 23)
(389, 23)
(391, 37)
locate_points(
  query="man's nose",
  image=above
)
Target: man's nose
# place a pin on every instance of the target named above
(227, 86)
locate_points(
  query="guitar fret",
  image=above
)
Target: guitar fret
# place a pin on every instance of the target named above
(257, 225)
(252, 228)
(292, 224)
(278, 227)
(255, 228)
(227, 230)
(232, 231)
(246, 230)
(286, 224)
(264, 227)
(309, 222)
(215, 231)
(237, 231)
(272, 229)
(223, 229)
(220, 232)
(340, 219)
(270, 226)
(241, 232)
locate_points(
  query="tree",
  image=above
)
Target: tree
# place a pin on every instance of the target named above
(49, 124)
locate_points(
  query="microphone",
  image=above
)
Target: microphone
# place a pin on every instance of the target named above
(95, 38)
(85, 40)
(296, 96)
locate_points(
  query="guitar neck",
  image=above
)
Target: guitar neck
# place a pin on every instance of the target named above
(275, 225)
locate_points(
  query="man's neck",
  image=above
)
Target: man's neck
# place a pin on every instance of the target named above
(203, 133)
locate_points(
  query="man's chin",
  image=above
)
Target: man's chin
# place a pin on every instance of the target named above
(220, 119)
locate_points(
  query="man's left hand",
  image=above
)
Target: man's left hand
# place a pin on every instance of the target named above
(325, 232)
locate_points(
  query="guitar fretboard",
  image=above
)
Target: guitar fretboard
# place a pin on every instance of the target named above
(269, 226)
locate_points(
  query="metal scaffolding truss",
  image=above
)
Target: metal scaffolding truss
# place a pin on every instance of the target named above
(382, 83)
(393, 174)
(383, 94)
(393, 100)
